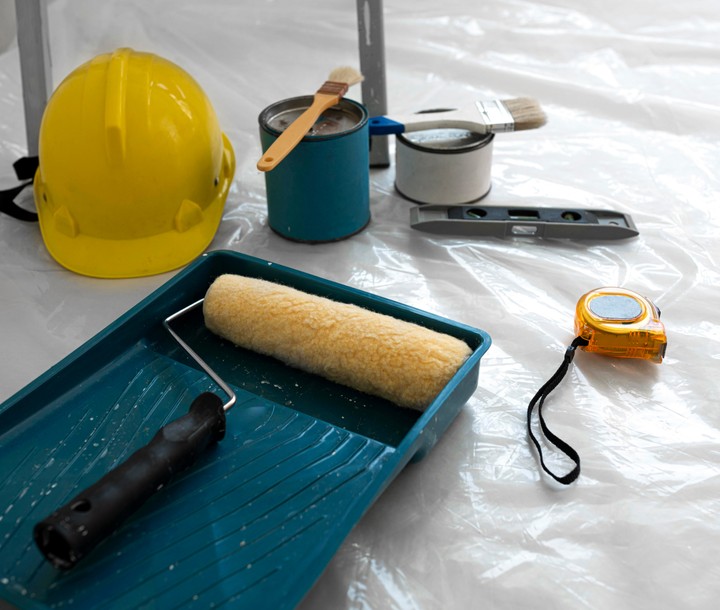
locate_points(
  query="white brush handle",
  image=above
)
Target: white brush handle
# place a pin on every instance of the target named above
(481, 117)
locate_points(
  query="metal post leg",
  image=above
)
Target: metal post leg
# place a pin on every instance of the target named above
(371, 40)
(32, 34)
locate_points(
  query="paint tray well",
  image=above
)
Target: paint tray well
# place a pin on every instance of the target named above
(256, 520)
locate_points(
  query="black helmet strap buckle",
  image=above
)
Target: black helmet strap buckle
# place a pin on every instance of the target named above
(25, 169)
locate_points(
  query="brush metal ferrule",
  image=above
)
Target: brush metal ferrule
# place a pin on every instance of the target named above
(334, 88)
(495, 115)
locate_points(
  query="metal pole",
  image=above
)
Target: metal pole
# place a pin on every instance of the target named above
(33, 44)
(371, 40)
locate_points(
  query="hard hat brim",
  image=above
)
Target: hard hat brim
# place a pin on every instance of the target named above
(144, 256)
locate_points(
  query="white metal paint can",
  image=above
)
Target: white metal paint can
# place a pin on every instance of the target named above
(447, 166)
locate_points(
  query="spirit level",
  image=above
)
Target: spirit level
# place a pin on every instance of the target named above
(495, 221)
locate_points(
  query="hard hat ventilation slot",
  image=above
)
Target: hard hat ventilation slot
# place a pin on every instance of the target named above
(189, 214)
(65, 223)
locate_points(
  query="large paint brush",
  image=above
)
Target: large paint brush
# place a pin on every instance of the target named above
(494, 116)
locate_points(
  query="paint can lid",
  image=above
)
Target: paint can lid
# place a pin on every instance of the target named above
(342, 118)
(446, 139)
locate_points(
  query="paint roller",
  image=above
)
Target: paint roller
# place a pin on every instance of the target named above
(402, 362)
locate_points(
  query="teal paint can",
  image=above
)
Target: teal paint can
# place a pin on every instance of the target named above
(320, 192)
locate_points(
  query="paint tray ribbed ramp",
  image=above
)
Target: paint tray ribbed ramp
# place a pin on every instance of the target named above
(254, 523)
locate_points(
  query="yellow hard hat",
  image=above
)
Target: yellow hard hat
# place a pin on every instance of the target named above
(134, 170)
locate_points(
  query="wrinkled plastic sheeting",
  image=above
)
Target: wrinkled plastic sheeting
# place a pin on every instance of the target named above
(631, 91)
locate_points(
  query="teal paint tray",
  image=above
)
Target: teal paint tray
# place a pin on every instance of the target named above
(255, 521)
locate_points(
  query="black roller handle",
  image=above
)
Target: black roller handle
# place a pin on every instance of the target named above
(71, 532)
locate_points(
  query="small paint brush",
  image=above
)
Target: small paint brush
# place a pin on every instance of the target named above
(495, 116)
(331, 92)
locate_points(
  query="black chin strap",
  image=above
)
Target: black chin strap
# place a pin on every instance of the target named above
(539, 399)
(25, 169)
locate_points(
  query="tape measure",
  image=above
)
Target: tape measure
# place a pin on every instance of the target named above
(620, 323)
(613, 322)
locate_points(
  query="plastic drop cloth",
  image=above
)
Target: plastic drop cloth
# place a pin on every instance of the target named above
(632, 93)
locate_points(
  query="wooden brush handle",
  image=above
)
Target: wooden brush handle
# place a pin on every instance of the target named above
(296, 131)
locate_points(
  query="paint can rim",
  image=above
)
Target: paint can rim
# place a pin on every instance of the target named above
(303, 102)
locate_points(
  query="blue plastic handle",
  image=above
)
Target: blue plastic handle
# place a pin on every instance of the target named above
(383, 126)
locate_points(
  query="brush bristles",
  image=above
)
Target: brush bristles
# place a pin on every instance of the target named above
(345, 74)
(526, 113)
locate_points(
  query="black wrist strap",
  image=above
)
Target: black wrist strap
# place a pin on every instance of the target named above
(24, 170)
(539, 400)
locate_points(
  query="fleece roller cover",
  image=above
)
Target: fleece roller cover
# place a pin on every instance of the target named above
(405, 363)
